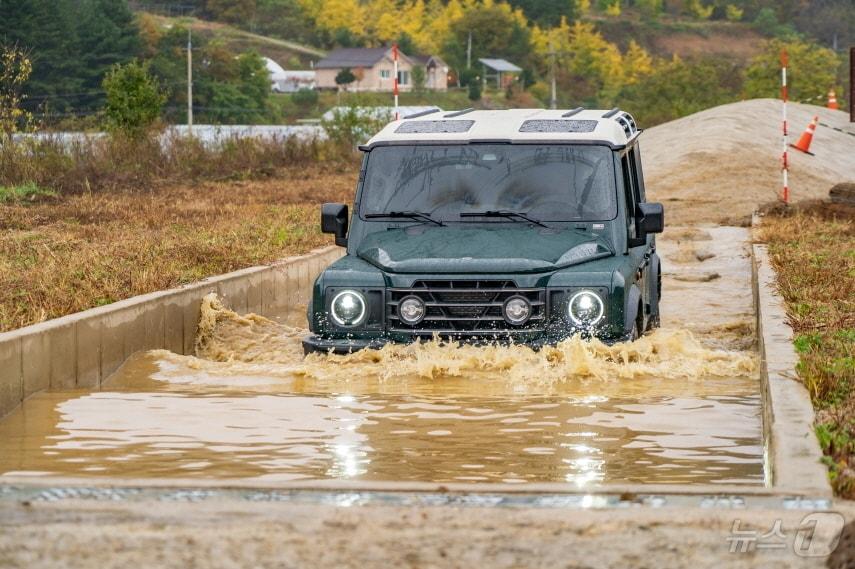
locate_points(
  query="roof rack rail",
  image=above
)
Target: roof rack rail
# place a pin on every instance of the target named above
(575, 111)
(611, 113)
(458, 113)
(421, 113)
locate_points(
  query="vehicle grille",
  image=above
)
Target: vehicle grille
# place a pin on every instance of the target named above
(466, 308)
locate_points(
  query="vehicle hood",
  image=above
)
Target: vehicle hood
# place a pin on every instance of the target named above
(450, 249)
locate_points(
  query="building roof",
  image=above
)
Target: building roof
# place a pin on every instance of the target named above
(275, 70)
(614, 128)
(426, 59)
(500, 65)
(353, 57)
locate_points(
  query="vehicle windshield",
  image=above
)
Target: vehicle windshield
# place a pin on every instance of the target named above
(544, 182)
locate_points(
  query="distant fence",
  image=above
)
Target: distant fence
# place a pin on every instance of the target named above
(209, 135)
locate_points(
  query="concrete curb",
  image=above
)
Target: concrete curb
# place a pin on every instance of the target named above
(81, 350)
(792, 450)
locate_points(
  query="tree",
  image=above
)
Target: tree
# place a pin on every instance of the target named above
(284, 19)
(589, 67)
(45, 29)
(15, 69)
(546, 12)
(474, 92)
(497, 31)
(637, 63)
(676, 88)
(733, 13)
(697, 10)
(613, 8)
(418, 75)
(351, 125)
(649, 8)
(342, 16)
(108, 35)
(812, 70)
(831, 22)
(344, 78)
(134, 98)
(232, 11)
(73, 43)
(227, 87)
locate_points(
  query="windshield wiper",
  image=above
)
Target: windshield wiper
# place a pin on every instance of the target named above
(505, 214)
(408, 214)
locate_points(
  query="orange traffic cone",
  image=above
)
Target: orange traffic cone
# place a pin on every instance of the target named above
(832, 100)
(804, 142)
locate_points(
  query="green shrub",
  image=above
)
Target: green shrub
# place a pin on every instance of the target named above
(134, 98)
(474, 91)
(305, 98)
(352, 125)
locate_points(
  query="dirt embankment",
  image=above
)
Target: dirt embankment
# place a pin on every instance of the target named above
(716, 166)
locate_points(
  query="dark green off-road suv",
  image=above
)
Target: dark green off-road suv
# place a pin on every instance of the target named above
(525, 225)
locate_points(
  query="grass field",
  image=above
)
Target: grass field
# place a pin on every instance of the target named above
(813, 250)
(64, 253)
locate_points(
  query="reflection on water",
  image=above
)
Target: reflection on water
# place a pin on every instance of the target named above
(172, 416)
(281, 436)
(668, 408)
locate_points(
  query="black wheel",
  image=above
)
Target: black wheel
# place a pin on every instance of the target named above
(638, 326)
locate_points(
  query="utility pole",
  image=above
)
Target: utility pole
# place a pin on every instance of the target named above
(553, 99)
(190, 82)
(852, 84)
(395, 83)
(469, 52)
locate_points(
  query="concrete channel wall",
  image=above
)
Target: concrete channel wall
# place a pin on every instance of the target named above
(81, 350)
(792, 450)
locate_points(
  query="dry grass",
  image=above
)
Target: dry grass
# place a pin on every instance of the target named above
(64, 254)
(813, 249)
(112, 163)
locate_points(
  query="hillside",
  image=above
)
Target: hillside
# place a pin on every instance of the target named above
(664, 37)
(682, 37)
(718, 165)
(241, 40)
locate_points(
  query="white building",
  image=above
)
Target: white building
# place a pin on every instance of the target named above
(285, 81)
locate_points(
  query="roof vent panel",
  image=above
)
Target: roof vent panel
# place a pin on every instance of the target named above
(434, 127)
(553, 125)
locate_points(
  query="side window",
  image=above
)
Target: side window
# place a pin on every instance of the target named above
(630, 192)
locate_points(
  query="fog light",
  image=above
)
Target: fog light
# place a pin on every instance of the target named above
(517, 310)
(348, 308)
(585, 308)
(411, 310)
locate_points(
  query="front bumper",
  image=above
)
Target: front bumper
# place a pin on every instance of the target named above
(313, 343)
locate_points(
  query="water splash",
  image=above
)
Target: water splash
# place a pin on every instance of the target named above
(227, 337)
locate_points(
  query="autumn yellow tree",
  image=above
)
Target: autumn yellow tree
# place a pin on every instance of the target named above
(15, 69)
(346, 15)
(637, 63)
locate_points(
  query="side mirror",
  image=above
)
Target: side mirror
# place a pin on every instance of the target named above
(652, 219)
(334, 220)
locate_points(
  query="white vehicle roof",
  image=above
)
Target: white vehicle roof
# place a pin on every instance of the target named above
(613, 127)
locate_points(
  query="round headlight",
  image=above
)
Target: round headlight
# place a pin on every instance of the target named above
(348, 308)
(411, 310)
(517, 310)
(585, 308)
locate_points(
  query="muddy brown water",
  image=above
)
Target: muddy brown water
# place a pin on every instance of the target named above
(680, 405)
